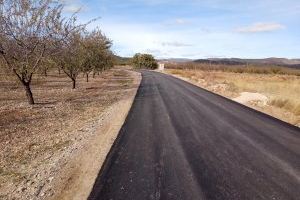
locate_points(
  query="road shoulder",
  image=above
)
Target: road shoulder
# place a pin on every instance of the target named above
(78, 176)
(254, 100)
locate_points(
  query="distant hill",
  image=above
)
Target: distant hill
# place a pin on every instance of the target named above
(176, 60)
(294, 63)
(122, 60)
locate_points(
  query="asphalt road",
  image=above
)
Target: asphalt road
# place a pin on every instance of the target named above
(182, 142)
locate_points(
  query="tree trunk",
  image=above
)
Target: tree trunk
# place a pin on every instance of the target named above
(45, 73)
(74, 83)
(94, 73)
(28, 93)
(87, 77)
(58, 71)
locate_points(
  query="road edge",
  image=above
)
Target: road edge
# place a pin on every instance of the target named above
(78, 176)
(253, 109)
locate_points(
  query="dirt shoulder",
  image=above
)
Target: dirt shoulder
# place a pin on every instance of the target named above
(276, 95)
(55, 149)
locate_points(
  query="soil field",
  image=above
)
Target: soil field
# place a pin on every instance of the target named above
(37, 141)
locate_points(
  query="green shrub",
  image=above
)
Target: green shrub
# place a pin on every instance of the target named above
(146, 61)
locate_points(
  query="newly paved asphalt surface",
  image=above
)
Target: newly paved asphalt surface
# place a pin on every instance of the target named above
(182, 142)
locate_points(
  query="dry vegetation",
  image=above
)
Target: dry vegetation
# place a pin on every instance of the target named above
(46, 58)
(33, 139)
(48, 103)
(250, 69)
(282, 88)
(34, 36)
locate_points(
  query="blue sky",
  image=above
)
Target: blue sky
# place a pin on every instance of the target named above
(197, 28)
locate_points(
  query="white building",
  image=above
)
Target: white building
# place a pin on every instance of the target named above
(161, 66)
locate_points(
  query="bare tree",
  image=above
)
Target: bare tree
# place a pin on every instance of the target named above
(97, 47)
(68, 50)
(33, 34)
(26, 27)
(89, 61)
(72, 56)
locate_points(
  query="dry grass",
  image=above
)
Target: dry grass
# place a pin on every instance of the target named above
(30, 134)
(250, 69)
(283, 91)
(288, 104)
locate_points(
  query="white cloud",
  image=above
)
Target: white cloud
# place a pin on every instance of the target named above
(72, 6)
(181, 21)
(176, 22)
(175, 44)
(260, 27)
(129, 38)
(153, 51)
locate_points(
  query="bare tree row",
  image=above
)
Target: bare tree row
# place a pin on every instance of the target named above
(34, 35)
